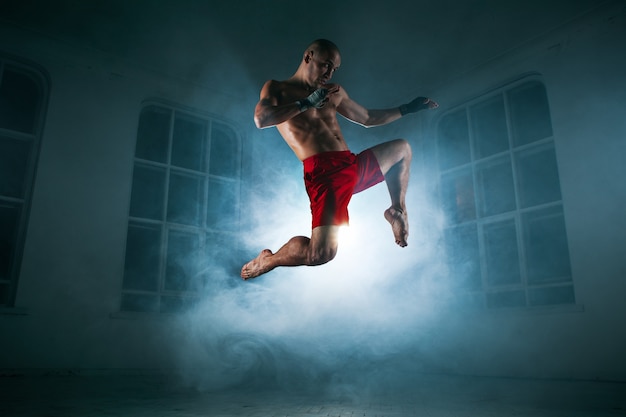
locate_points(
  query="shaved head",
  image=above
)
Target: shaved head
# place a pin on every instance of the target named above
(323, 45)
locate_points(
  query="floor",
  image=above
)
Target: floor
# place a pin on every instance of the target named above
(431, 396)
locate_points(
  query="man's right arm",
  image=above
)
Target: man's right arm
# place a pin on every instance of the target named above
(268, 113)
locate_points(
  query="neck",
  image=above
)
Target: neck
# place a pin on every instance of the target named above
(300, 81)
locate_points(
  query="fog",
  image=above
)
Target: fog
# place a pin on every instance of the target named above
(344, 324)
(378, 315)
(370, 319)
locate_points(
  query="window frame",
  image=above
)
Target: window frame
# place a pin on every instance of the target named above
(42, 82)
(203, 233)
(449, 171)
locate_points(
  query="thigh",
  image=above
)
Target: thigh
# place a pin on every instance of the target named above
(324, 238)
(368, 171)
(390, 153)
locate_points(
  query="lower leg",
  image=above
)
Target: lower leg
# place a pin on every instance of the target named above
(293, 253)
(397, 180)
(394, 159)
(299, 250)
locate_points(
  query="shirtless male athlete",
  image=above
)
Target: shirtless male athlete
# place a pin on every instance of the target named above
(304, 110)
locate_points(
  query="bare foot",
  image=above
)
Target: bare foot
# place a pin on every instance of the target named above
(257, 266)
(399, 225)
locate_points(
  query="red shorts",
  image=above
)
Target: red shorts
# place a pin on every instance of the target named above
(331, 178)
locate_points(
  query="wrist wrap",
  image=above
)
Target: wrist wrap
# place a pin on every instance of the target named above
(315, 99)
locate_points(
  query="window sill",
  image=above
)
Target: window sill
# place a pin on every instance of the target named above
(13, 311)
(131, 315)
(537, 310)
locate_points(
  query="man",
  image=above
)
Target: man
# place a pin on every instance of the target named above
(304, 110)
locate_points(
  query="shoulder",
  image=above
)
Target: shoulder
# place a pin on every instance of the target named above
(333, 85)
(337, 92)
(272, 85)
(337, 89)
(275, 87)
(272, 90)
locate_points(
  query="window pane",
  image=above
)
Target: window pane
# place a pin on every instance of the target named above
(185, 199)
(181, 159)
(143, 249)
(182, 272)
(501, 253)
(538, 176)
(457, 192)
(14, 156)
(9, 218)
(530, 114)
(20, 98)
(551, 296)
(148, 194)
(463, 256)
(153, 134)
(189, 142)
(489, 127)
(453, 140)
(222, 210)
(545, 242)
(224, 151)
(506, 299)
(498, 165)
(219, 252)
(140, 303)
(495, 187)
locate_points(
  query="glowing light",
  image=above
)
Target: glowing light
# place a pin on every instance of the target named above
(346, 236)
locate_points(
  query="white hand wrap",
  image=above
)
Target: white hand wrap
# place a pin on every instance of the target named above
(315, 99)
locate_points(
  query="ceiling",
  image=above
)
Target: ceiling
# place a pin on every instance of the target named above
(387, 46)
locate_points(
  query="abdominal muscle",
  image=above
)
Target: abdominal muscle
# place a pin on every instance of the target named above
(309, 134)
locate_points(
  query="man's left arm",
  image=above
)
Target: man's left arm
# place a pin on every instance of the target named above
(355, 112)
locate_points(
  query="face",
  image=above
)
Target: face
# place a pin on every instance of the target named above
(322, 66)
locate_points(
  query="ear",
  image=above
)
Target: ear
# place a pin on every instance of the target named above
(308, 56)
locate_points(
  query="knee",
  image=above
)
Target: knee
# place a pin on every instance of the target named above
(405, 147)
(321, 256)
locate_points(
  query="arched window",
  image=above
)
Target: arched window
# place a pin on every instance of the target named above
(23, 93)
(184, 203)
(500, 190)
